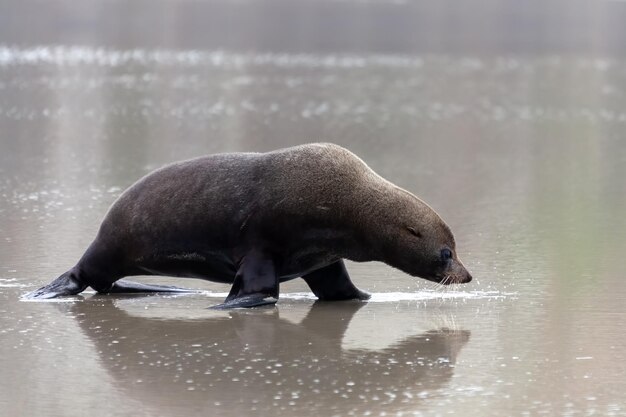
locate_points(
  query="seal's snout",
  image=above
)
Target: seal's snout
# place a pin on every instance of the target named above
(455, 274)
(463, 275)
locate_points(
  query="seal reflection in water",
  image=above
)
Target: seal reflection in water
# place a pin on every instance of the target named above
(268, 362)
(254, 220)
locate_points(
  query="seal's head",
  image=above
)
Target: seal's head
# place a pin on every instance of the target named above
(434, 256)
(417, 241)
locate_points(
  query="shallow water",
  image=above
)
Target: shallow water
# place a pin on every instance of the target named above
(523, 156)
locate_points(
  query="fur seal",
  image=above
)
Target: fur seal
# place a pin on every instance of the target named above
(254, 220)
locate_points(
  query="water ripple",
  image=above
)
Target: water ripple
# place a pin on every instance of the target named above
(386, 297)
(79, 55)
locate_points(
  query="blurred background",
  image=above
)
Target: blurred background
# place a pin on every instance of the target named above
(358, 26)
(507, 117)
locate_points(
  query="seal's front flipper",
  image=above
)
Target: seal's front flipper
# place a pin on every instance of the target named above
(246, 301)
(129, 287)
(255, 284)
(332, 283)
(66, 284)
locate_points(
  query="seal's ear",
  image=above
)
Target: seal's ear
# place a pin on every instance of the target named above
(414, 231)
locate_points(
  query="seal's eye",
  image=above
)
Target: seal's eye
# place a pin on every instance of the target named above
(446, 255)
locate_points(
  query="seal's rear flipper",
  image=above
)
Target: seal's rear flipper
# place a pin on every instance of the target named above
(255, 284)
(66, 284)
(129, 287)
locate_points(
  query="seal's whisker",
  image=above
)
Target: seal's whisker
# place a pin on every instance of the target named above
(442, 287)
